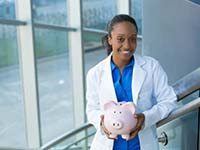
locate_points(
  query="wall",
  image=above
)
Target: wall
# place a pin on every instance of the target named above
(171, 35)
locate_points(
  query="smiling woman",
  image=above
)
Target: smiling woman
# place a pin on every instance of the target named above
(123, 77)
(123, 40)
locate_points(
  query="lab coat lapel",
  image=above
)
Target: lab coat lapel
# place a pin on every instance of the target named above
(107, 87)
(138, 77)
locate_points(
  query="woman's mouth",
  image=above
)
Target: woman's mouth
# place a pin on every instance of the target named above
(125, 52)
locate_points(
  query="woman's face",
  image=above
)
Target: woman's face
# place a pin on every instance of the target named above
(123, 40)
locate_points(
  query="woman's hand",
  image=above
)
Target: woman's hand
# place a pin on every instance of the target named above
(140, 121)
(107, 133)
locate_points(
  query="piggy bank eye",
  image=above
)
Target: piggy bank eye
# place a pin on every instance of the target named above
(120, 104)
(114, 112)
(120, 112)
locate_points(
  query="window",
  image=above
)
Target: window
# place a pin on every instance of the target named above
(136, 12)
(7, 9)
(96, 13)
(54, 83)
(50, 12)
(12, 123)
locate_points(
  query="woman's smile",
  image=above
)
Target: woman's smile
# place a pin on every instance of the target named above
(125, 52)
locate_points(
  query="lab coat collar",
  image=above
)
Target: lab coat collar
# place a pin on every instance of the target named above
(138, 77)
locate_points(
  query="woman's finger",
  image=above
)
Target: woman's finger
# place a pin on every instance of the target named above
(107, 133)
(140, 121)
(133, 134)
(103, 127)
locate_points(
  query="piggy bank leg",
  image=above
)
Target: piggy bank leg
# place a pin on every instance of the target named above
(113, 136)
(126, 136)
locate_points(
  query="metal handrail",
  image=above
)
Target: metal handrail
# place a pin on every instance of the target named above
(78, 141)
(66, 135)
(180, 112)
(184, 87)
(188, 84)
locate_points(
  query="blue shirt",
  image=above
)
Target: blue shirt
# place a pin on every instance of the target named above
(122, 83)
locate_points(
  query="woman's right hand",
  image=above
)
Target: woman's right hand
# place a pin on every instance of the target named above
(107, 133)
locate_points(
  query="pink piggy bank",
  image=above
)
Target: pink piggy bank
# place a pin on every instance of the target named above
(119, 118)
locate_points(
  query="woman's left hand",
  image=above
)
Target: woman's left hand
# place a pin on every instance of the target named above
(140, 121)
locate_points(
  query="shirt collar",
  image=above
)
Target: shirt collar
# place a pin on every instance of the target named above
(131, 63)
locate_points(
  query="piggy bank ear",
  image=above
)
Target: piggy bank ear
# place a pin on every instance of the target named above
(109, 105)
(130, 106)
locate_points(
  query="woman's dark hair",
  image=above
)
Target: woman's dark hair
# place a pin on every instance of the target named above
(116, 19)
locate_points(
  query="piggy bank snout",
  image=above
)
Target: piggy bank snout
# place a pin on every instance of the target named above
(117, 124)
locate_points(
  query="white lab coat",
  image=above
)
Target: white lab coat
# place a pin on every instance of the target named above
(150, 91)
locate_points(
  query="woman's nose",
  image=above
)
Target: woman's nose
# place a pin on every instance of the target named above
(127, 44)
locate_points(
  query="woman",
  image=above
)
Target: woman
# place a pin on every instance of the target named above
(125, 76)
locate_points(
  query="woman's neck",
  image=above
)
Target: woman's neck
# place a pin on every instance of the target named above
(120, 63)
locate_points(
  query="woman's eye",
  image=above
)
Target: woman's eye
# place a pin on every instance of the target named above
(120, 39)
(133, 39)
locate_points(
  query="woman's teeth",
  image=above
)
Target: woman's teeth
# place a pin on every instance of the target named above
(126, 52)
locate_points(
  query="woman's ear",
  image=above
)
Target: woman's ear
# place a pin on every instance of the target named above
(109, 40)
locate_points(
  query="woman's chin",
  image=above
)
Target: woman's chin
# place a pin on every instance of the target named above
(125, 57)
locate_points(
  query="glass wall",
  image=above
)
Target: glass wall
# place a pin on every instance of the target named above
(96, 14)
(182, 132)
(93, 57)
(53, 71)
(7, 9)
(136, 12)
(50, 12)
(54, 83)
(12, 123)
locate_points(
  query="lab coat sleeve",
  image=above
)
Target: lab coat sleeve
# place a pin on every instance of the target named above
(164, 95)
(93, 105)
